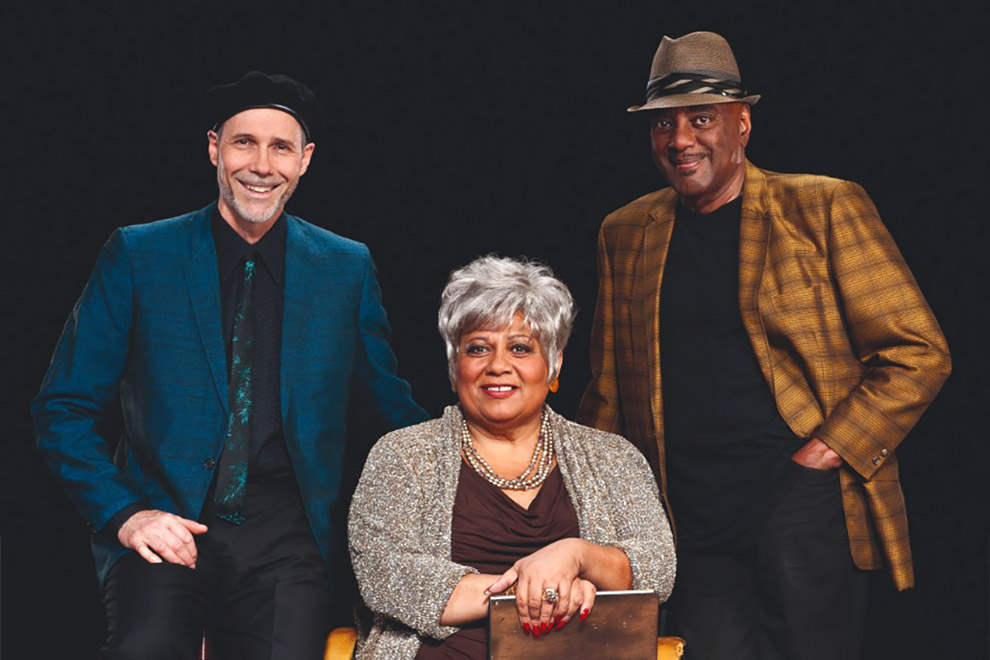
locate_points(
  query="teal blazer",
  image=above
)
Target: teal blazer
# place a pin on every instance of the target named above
(147, 328)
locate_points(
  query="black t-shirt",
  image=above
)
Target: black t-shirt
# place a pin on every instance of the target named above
(727, 447)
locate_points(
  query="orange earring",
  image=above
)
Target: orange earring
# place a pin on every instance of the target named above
(554, 385)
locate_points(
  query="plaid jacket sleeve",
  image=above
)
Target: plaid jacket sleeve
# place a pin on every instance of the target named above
(892, 331)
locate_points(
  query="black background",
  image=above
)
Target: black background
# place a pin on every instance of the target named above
(456, 129)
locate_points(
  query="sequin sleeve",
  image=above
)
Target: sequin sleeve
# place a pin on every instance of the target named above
(641, 525)
(402, 569)
(618, 502)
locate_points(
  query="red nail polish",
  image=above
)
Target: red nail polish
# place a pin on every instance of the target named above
(558, 618)
(561, 624)
(584, 614)
(536, 632)
(526, 628)
(544, 626)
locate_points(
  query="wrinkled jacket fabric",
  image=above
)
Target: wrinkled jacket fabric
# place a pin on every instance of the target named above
(147, 329)
(844, 338)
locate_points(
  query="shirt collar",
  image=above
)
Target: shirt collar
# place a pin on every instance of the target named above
(231, 248)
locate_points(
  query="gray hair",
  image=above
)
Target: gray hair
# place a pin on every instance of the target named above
(489, 291)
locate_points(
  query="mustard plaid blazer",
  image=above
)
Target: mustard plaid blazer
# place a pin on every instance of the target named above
(846, 342)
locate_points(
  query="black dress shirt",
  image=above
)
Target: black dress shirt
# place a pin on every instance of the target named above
(269, 457)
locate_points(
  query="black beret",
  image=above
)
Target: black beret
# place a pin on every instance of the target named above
(260, 90)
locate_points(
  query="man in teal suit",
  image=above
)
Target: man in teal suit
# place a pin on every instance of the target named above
(233, 337)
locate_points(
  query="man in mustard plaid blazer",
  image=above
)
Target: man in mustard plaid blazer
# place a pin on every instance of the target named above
(760, 338)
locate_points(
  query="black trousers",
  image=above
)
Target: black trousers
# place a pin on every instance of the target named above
(259, 589)
(794, 594)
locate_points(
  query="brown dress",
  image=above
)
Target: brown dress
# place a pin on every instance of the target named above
(490, 532)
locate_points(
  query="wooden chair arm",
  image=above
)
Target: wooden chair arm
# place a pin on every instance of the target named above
(340, 644)
(669, 648)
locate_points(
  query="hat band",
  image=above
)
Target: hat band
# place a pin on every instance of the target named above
(689, 83)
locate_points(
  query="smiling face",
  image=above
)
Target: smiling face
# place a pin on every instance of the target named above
(259, 155)
(701, 151)
(501, 378)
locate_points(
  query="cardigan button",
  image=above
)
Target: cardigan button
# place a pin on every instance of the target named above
(876, 460)
(884, 452)
(209, 463)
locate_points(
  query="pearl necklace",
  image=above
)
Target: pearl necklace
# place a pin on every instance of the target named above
(539, 464)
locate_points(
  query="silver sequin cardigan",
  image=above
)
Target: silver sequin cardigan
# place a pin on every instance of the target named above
(400, 522)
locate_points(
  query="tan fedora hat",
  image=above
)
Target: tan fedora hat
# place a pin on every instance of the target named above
(696, 69)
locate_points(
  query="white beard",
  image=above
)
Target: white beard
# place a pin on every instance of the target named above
(258, 217)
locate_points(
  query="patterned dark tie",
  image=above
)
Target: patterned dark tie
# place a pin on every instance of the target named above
(232, 474)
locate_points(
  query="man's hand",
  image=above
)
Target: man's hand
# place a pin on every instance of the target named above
(170, 536)
(816, 455)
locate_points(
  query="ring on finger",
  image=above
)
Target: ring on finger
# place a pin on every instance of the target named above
(550, 595)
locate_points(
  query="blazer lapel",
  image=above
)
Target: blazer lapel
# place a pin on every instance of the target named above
(754, 236)
(646, 315)
(203, 282)
(299, 272)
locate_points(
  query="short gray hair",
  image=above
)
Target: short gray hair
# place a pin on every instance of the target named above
(489, 291)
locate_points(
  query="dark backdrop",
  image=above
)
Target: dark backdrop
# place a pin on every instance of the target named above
(456, 129)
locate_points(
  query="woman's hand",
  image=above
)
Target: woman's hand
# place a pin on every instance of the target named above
(582, 599)
(469, 600)
(556, 566)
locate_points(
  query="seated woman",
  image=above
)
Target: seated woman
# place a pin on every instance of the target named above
(500, 492)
